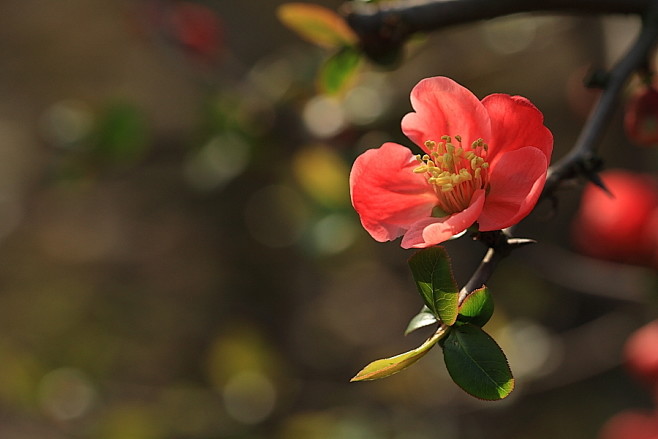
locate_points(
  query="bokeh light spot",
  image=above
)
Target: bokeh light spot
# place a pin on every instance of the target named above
(249, 397)
(364, 105)
(272, 77)
(334, 233)
(66, 394)
(66, 122)
(323, 174)
(220, 160)
(533, 350)
(323, 116)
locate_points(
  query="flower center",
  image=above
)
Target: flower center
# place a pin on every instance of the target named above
(454, 172)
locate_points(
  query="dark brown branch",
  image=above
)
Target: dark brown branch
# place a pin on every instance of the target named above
(384, 27)
(582, 159)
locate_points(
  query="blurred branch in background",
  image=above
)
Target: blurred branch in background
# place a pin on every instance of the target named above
(582, 159)
(384, 27)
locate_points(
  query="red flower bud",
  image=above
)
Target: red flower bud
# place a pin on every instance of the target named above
(622, 227)
(641, 117)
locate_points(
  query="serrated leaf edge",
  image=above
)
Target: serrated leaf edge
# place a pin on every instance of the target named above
(469, 319)
(433, 308)
(511, 381)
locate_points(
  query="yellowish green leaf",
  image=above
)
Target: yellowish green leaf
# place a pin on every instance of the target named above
(317, 24)
(339, 70)
(389, 366)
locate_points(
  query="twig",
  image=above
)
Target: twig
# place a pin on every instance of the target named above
(582, 159)
(384, 27)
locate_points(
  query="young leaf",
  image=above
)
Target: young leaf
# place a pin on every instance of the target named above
(389, 366)
(477, 308)
(317, 24)
(476, 363)
(420, 320)
(338, 69)
(433, 275)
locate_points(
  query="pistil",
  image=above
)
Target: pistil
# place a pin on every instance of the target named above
(454, 172)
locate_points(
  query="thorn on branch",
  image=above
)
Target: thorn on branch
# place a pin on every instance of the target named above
(520, 242)
(589, 166)
(582, 159)
(597, 79)
(595, 178)
(501, 242)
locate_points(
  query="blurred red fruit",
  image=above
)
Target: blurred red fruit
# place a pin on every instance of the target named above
(641, 353)
(193, 29)
(631, 425)
(641, 117)
(622, 227)
(197, 28)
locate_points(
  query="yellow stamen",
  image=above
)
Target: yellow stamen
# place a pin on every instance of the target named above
(456, 173)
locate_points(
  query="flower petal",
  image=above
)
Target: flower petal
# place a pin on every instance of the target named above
(387, 194)
(515, 123)
(443, 107)
(431, 231)
(515, 186)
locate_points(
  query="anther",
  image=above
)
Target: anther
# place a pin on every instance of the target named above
(453, 171)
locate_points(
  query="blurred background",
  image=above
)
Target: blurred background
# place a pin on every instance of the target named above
(179, 257)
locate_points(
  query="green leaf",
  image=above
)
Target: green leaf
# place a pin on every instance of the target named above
(420, 320)
(121, 135)
(433, 275)
(477, 308)
(476, 363)
(389, 366)
(317, 24)
(337, 70)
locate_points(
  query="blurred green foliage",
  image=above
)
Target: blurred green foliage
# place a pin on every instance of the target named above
(180, 258)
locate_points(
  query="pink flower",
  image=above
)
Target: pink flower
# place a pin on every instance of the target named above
(483, 161)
